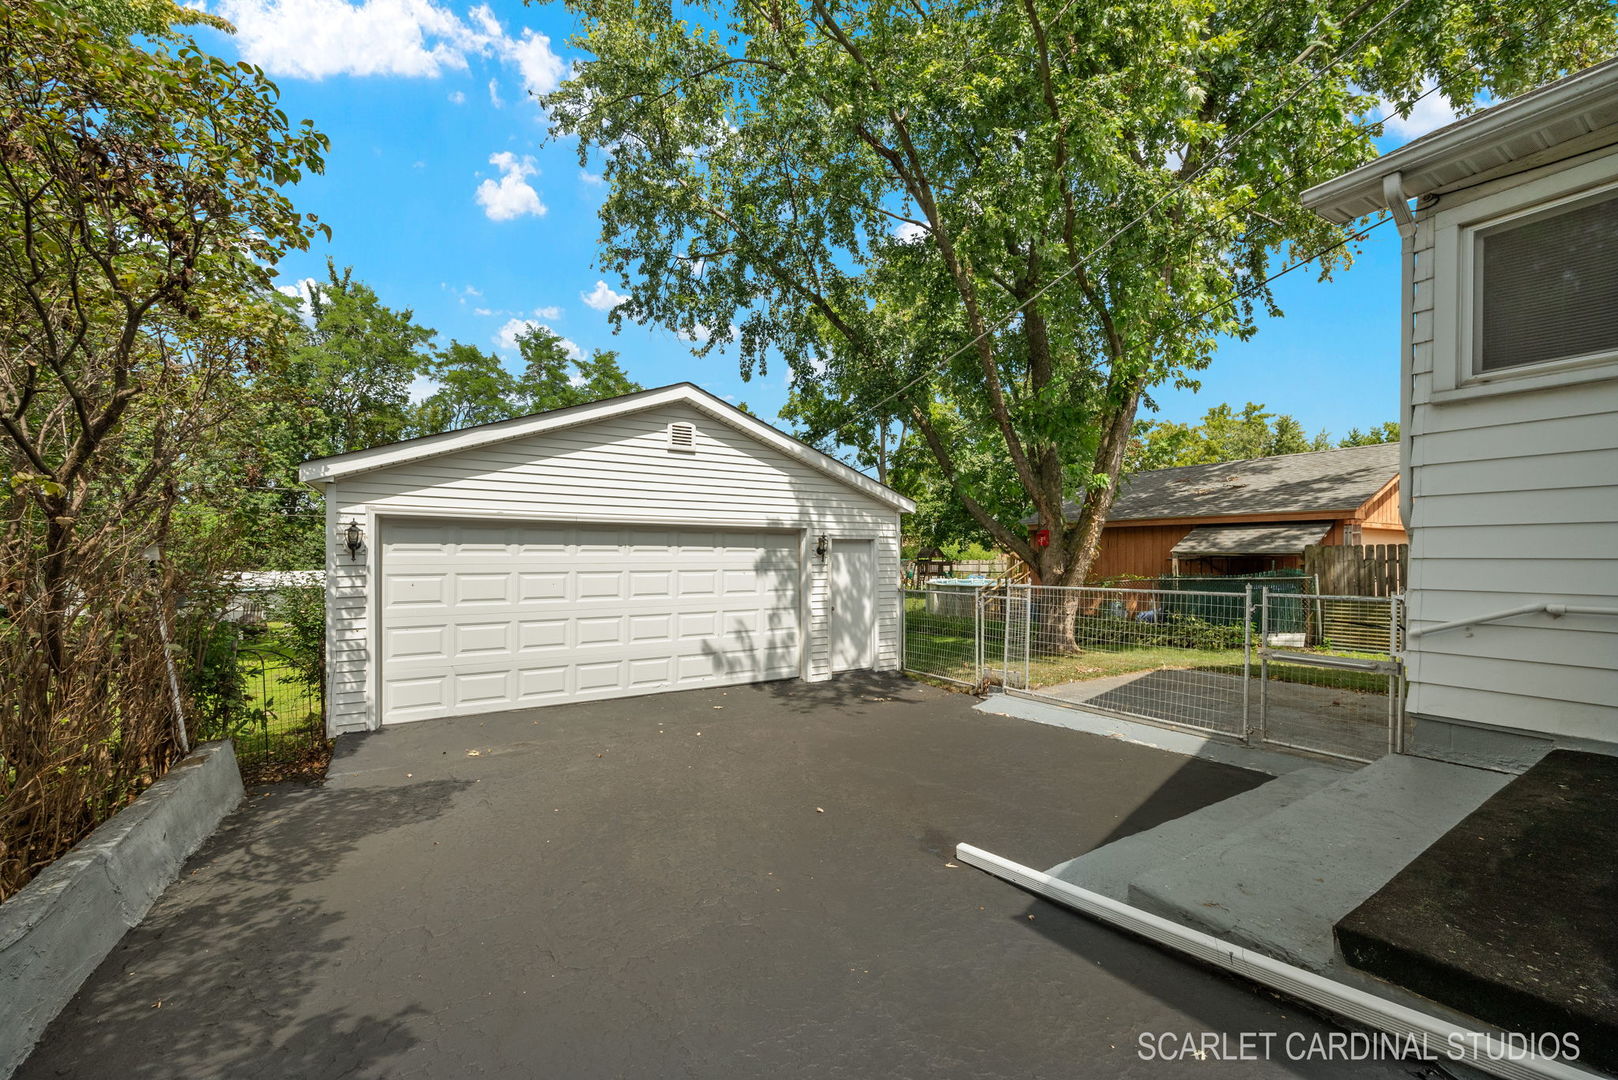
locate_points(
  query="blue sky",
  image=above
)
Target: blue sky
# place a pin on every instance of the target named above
(444, 195)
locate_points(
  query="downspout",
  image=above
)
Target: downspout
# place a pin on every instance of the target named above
(1393, 193)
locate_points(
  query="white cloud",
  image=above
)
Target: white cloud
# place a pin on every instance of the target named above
(906, 231)
(313, 39)
(422, 388)
(542, 70)
(512, 195)
(1429, 114)
(550, 313)
(482, 311)
(506, 337)
(301, 291)
(589, 177)
(458, 98)
(602, 297)
(494, 94)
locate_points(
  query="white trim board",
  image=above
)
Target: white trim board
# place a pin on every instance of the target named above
(325, 470)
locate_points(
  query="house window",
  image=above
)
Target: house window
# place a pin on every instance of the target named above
(1546, 287)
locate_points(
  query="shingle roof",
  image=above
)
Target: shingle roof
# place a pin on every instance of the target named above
(1312, 483)
(1276, 539)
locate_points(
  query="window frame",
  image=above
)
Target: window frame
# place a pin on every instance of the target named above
(1457, 233)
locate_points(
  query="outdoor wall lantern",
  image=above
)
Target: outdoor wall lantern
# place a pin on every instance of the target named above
(822, 545)
(354, 539)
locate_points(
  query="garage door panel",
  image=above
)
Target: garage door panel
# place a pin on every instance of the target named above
(606, 630)
(482, 589)
(698, 624)
(698, 582)
(536, 635)
(415, 590)
(406, 696)
(650, 583)
(644, 628)
(535, 587)
(482, 616)
(409, 643)
(483, 689)
(538, 684)
(600, 675)
(484, 639)
(651, 672)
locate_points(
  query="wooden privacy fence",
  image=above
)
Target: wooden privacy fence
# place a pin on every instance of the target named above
(1358, 569)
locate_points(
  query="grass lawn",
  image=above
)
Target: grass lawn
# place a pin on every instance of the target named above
(281, 730)
(942, 646)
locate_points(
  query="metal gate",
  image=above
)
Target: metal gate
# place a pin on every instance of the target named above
(1297, 670)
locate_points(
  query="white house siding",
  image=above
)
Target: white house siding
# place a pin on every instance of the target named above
(1513, 499)
(617, 469)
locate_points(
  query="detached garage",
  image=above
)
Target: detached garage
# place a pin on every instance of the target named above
(658, 541)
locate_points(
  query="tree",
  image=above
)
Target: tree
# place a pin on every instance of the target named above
(473, 388)
(1020, 217)
(355, 362)
(141, 195)
(1223, 435)
(555, 375)
(1385, 432)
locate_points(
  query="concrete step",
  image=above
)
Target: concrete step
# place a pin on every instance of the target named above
(1110, 868)
(1509, 917)
(1280, 883)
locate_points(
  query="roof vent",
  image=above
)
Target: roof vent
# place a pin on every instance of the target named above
(683, 437)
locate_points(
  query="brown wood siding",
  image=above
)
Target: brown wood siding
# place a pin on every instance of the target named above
(1381, 511)
(1136, 550)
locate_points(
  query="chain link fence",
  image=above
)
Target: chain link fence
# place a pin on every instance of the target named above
(1293, 669)
(1330, 677)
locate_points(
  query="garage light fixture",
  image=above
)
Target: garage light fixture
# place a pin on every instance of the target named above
(822, 545)
(354, 539)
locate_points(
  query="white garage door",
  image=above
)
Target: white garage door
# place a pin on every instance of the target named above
(479, 616)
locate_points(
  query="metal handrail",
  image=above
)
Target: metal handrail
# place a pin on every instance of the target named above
(1555, 611)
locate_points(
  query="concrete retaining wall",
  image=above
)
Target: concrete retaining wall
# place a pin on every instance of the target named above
(56, 931)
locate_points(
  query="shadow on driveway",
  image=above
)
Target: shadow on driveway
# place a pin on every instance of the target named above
(719, 883)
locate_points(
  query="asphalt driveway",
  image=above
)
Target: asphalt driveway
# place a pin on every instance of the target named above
(742, 883)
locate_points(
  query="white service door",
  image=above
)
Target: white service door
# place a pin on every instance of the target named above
(482, 616)
(853, 603)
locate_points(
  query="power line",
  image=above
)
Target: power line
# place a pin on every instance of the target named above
(1200, 230)
(1220, 153)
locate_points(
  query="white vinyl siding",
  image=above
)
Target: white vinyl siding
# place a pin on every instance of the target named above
(1513, 499)
(615, 470)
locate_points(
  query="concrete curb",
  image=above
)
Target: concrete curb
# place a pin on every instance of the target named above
(59, 928)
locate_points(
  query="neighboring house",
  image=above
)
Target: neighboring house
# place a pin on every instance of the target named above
(1244, 517)
(1510, 414)
(256, 591)
(656, 541)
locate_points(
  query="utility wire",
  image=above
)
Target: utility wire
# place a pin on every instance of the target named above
(1221, 151)
(1200, 230)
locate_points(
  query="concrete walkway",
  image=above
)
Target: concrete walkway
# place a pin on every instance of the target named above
(1324, 719)
(752, 883)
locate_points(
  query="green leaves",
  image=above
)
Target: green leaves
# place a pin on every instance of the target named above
(1104, 189)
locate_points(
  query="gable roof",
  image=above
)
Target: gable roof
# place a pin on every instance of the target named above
(1559, 120)
(1315, 483)
(327, 469)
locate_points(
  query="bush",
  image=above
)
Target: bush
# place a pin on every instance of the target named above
(1177, 631)
(299, 615)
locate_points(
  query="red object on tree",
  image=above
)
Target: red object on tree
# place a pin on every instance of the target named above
(1042, 538)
